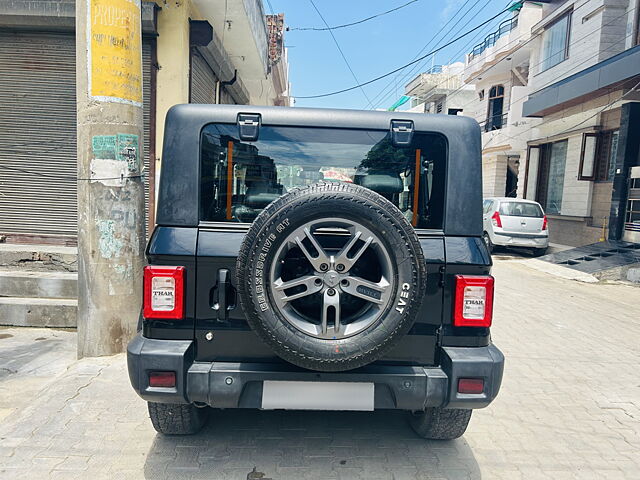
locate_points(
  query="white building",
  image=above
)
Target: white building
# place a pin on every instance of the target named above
(499, 69)
(440, 90)
(584, 80)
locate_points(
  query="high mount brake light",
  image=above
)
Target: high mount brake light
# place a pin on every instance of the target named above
(544, 223)
(495, 219)
(163, 292)
(473, 301)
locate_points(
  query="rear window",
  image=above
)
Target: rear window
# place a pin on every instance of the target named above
(520, 209)
(239, 178)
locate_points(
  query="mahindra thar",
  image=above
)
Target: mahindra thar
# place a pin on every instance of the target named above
(311, 259)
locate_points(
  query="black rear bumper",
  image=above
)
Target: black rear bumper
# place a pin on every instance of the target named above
(239, 385)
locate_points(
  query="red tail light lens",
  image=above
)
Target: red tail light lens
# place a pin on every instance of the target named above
(163, 292)
(470, 385)
(495, 219)
(473, 301)
(544, 223)
(162, 379)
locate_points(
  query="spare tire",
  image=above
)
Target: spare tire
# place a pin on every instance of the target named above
(331, 276)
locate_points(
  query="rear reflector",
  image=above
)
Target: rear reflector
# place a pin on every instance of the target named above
(544, 223)
(162, 379)
(473, 301)
(470, 385)
(163, 292)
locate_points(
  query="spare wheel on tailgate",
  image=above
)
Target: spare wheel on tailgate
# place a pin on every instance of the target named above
(331, 276)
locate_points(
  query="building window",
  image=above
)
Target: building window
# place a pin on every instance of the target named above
(454, 111)
(553, 157)
(555, 43)
(587, 169)
(606, 156)
(494, 110)
(439, 108)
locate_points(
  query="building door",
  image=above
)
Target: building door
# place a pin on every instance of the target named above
(38, 132)
(551, 168)
(511, 187)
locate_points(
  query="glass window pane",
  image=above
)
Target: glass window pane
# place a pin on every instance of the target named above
(239, 179)
(520, 209)
(589, 156)
(554, 43)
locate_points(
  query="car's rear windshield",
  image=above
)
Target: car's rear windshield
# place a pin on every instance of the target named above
(240, 178)
(520, 209)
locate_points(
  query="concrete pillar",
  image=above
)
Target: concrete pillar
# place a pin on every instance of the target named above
(110, 184)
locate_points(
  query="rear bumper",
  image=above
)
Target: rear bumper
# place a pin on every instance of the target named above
(239, 385)
(519, 240)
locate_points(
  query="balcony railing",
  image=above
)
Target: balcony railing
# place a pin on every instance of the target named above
(491, 39)
(495, 122)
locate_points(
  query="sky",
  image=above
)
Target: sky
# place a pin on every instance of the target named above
(374, 47)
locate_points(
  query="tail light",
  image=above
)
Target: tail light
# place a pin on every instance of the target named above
(495, 219)
(163, 292)
(473, 301)
(544, 223)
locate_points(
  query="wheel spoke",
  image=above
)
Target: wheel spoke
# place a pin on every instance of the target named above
(308, 281)
(331, 301)
(315, 261)
(369, 291)
(343, 258)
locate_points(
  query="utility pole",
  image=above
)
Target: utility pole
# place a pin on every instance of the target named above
(111, 229)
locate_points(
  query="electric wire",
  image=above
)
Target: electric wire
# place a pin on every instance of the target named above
(378, 99)
(458, 38)
(570, 72)
(533, 37)
(335, 40)
(407, 76)
(352, 23)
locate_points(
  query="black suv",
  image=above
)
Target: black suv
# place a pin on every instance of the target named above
(321, 260)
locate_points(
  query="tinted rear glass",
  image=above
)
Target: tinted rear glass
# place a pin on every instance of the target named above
(520, 209)
(239, 178)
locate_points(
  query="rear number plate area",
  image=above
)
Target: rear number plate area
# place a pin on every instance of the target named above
(287, 395)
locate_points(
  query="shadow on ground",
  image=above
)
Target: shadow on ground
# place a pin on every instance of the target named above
(253, 444)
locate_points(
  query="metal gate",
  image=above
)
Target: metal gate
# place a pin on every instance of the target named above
(38, 132)
(632, 218)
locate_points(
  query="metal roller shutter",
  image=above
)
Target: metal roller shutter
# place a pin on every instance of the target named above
(38, 132)
(203, 80)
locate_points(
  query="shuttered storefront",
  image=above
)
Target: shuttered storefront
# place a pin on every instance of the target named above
(38, 132)
(203, 80)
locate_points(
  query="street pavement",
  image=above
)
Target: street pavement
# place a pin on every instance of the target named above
(569, 408)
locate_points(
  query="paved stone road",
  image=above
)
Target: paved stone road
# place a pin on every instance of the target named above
(569, 408)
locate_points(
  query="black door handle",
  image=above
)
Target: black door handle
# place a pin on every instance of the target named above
(223, 288)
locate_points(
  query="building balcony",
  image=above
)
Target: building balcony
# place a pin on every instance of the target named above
(510, 39)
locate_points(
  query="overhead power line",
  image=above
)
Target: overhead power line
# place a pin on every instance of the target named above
(388, 91)
(344, 57)
(389, 86)
(380, 77)
(352, 23)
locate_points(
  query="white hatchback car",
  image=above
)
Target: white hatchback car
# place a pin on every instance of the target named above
(514, 222)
